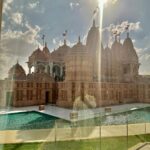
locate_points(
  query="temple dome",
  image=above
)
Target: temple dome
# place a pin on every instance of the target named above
(117, 51)
(17, 72)
(38, 55)
(79, 47)
(93, 38)
(46, 50)
(64, 48)
(130, 54)
(78, 66)
(60, 53)
(116, 45)
(128, 43)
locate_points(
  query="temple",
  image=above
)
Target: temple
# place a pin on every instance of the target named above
(110, 75)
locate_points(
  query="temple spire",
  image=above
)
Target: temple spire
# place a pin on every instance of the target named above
(45, 44)
(43, 39)
(119, 39)
(79, 39)
(128, 34)
(65, 41)
(65, 35)
(116, 37)
(127, 29)
(94, 23)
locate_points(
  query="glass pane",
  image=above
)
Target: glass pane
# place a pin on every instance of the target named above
(74, 74)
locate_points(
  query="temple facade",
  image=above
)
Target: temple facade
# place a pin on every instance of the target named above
(89, 72)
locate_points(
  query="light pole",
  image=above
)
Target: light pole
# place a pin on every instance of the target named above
(100, 133)
(127, 128)
(55, 131)
(145, 126)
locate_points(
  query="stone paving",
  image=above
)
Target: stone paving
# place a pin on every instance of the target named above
(67, 134)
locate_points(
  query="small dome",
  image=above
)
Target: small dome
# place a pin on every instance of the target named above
(116, 45)
(60, 53)
(46, 50)
(38, 55)
(36, 52)
(93, 35)
(130, 54)
(117, 51)
(128, 43)
(79, 47)
(17, 72)
(64, 48)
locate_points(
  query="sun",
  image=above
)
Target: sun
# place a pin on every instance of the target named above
(102, 2)
(105, 1)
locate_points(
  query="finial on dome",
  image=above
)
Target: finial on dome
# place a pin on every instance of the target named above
(127, 34)
(43, 39)
(93, 22)
(127, 29)
(79, 39)
(65, 35)
(45, 44)
(116, 37)
(119, 39)
(17, 61)
(65, 41)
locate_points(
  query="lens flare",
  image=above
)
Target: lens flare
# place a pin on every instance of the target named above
(101, 4)
(104, 1)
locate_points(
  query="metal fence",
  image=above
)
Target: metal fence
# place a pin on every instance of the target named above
(101, 129)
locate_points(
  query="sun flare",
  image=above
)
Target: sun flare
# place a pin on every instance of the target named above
(105, 1)
(102, 2)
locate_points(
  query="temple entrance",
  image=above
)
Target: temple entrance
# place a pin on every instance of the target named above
(9, 98)
(47, 97)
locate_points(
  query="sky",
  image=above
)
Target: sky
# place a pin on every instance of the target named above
(25, 21)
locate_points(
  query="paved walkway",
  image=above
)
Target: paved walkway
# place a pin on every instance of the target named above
(82, 114)
(68, 134)
(141, 146)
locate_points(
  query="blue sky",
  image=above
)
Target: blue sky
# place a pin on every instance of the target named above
(24, 22)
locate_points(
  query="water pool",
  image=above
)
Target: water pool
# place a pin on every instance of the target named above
(141, 115)
(36, 120)
(26, 121)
